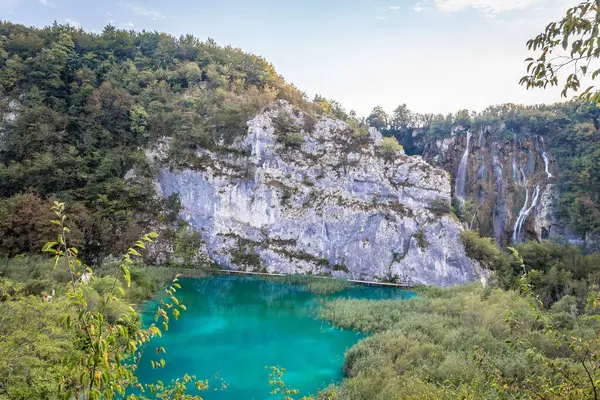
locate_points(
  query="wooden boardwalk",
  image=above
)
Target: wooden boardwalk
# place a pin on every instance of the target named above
(360, 282)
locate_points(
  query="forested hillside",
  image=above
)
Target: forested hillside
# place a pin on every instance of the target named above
(77, 109)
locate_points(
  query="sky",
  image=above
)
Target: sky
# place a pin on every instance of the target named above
(437, 56)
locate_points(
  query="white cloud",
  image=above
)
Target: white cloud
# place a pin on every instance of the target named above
(394, 8)
(73, 23)
(48, 3)
(420, 7)
(486, 6)
(379, 17)
(144, 11)
(129, 25)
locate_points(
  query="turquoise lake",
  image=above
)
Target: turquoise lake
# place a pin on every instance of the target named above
(234, 326)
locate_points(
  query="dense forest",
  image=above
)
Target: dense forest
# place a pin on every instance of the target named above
(78, 110)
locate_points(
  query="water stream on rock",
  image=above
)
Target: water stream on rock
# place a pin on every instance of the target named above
(234, 326)
(499, 219)
(545, 157)
(524, 213)
(461, 176)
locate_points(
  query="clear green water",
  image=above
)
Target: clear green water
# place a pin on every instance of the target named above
(234, 326)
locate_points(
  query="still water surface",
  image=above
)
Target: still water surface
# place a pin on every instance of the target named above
(234, 326)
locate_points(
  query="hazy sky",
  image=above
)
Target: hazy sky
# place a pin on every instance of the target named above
(434, 55)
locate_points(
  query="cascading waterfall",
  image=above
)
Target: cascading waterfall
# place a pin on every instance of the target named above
(480, 144)
(500, 207)
(545, 157)
(461, 176)
(520, 217)
(524, 213)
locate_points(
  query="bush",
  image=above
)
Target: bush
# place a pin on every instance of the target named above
(440, 206)
(390, 146)
(292, 139)
(484, 250)
(283, 123)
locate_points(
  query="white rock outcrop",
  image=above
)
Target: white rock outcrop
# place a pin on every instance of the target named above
(333, 203)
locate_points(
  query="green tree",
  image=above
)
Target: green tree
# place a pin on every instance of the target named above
(402, 118)
(577, 379)
(378, 118)
(570, 44)
(111, 353)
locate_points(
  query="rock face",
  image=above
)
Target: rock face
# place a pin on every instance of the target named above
(509, 180)
(320, 200)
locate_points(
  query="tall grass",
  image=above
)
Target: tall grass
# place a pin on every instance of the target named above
(424, 347)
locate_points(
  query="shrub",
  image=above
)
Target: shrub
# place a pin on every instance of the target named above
(283, 123)
(292, 139)
(484, 250)
(422, 242)
(440, 206)
(390, 146)
(340, 267)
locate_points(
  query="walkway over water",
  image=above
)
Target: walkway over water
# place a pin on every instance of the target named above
(360, 282)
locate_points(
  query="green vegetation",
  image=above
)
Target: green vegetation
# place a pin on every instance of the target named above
(390, 146)
(440, 206)
(555, 269)
(293, 139)
(85, 105)
(455, 343)
(484, 250)
(70, 333)
(570, 132)
(577, 34)
(422, 242)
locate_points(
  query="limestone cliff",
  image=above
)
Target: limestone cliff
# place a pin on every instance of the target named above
(318, 198)
(508, 177)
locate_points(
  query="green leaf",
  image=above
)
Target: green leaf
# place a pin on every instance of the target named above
(134, 252)
(49, 246)
(126, 274)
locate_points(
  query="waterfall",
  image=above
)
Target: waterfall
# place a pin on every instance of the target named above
(524, 213)
(500, 207)
(481, 137)
(545, 157)
(461, 176)
(515, 170)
